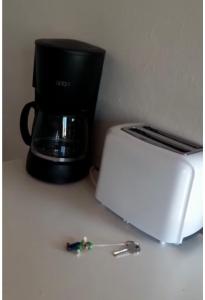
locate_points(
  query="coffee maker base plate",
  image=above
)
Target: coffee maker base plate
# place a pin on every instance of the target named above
(56, 172)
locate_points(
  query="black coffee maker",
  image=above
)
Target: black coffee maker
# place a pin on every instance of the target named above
(66, 79)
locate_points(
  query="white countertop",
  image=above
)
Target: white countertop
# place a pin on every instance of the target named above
(38, 220)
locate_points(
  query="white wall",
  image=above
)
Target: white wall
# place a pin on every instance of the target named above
(152, 71)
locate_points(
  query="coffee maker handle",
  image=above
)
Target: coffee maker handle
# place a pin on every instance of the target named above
(24, 122)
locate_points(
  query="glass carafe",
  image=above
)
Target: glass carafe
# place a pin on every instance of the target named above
(57, 137)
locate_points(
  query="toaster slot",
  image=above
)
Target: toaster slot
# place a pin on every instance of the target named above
(173, 137)
(162, 139)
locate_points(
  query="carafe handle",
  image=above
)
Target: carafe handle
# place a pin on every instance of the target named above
(26, 136)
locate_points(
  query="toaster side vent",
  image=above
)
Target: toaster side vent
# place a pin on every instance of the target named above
(162, 139)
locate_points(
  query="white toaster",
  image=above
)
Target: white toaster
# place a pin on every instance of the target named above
(153, 180)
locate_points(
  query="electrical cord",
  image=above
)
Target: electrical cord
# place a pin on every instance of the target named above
(93, 173)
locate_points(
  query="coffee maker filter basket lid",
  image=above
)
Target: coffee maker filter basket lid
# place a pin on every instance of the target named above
(70, 45)
(67, 73)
